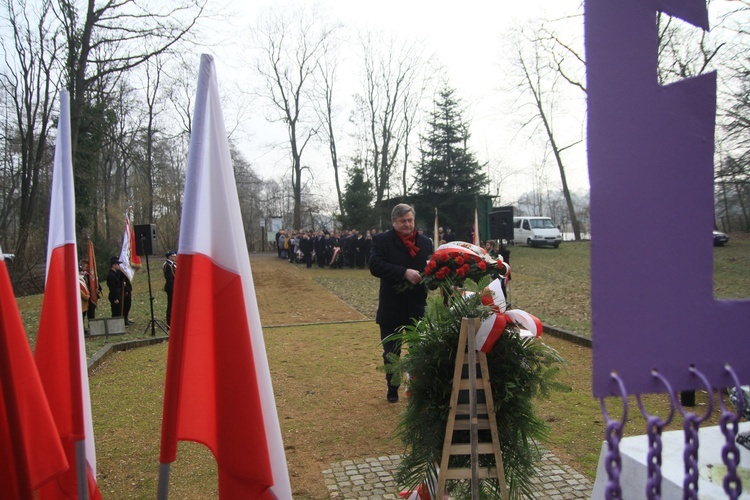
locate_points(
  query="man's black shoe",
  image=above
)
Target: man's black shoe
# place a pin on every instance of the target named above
(392, 394)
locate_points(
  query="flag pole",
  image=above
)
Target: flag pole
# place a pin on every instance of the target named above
(436, 236)
(82, 470)
(162, 491)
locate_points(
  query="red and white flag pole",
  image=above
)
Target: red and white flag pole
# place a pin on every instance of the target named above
(218, 387)
(60, 353)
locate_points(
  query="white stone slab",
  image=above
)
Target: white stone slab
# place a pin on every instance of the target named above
(634, 474)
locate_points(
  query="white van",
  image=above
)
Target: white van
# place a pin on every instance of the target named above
(536, 231)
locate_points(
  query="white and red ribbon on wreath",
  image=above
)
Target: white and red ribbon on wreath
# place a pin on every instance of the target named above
(494, 326)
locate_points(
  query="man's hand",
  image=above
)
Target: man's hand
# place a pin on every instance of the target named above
(413, 276)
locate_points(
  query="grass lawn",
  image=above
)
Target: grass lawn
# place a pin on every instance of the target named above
(330, 398)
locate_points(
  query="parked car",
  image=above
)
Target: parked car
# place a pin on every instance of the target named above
(536, 231)
(720, 238)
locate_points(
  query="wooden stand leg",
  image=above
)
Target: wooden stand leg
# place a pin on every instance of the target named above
(480, 416)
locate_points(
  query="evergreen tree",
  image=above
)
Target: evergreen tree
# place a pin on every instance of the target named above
(357, 201)
(449, 176)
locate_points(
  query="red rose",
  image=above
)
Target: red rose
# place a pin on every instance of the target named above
(466, 268)
(482, 265)
(459, 261)
(443, 273)
(461, 272)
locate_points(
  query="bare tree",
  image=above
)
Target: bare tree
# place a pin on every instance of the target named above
(326, 111)
(294, 41)
(538, 81)
(392, 91)
(116, 37)
(154, 71)
(29, 82)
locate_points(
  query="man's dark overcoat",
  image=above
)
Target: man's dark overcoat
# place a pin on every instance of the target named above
(389, 260)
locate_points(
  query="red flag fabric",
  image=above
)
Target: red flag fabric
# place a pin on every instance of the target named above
(93, 274)
(60, 355)
(218, 388)
(30, 449)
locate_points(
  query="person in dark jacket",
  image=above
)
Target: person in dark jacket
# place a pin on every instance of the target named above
(399, 254)
(114, 283)
(170, 269)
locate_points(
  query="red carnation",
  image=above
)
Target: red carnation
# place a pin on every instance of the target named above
(459, 261)
(482, 265)
(461, 272)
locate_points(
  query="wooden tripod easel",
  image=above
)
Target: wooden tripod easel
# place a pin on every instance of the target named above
(471, 417)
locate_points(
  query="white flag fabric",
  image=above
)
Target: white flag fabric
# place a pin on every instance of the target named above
(126, 251)
(60, 352)
(218, 388)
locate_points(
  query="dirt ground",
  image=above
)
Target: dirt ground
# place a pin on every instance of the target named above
(287, 294)
(323, 355)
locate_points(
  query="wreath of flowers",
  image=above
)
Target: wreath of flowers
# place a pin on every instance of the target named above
(453, 263)
(521, 368)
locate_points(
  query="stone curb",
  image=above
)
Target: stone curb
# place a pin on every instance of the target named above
(109, 349)
(576, 338)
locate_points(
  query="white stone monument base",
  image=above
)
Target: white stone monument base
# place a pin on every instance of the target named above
(634, 473)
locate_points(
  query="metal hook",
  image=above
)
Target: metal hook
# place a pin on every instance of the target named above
(696, 372)
(658, 421)
(624, 397)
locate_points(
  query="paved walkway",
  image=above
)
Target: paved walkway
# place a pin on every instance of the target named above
(372, 478)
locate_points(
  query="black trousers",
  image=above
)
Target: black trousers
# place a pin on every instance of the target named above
(116, 308)
(389, 347)
(169, 308)
(126, 303)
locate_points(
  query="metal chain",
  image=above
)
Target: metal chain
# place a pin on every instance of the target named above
(653, 430)
(613, 461)
(730, 454)
(690, 456)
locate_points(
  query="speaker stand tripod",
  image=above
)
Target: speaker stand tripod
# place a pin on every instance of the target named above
(153, 323)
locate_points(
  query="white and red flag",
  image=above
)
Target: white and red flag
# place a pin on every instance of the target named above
(129, 259)
(218, 388)
(60, 354)
(30, 449)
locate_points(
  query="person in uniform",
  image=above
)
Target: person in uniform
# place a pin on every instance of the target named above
(114, 283)
(169, 268)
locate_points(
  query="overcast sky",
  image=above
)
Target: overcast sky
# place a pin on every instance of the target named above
(466, 40)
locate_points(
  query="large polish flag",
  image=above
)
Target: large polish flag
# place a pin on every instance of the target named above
(218, 388)
(60, 352)
(30, 449)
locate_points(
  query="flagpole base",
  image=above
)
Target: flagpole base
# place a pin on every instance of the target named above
(162, 490)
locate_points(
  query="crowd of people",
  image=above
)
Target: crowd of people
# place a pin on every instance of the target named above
(347, 248)
(337, 249)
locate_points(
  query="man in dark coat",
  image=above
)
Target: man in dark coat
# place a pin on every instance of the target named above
(114, 283)
(399, 254)
(170, 269)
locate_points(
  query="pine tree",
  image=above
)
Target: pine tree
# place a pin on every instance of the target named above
(357, 201)
(449, 177)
